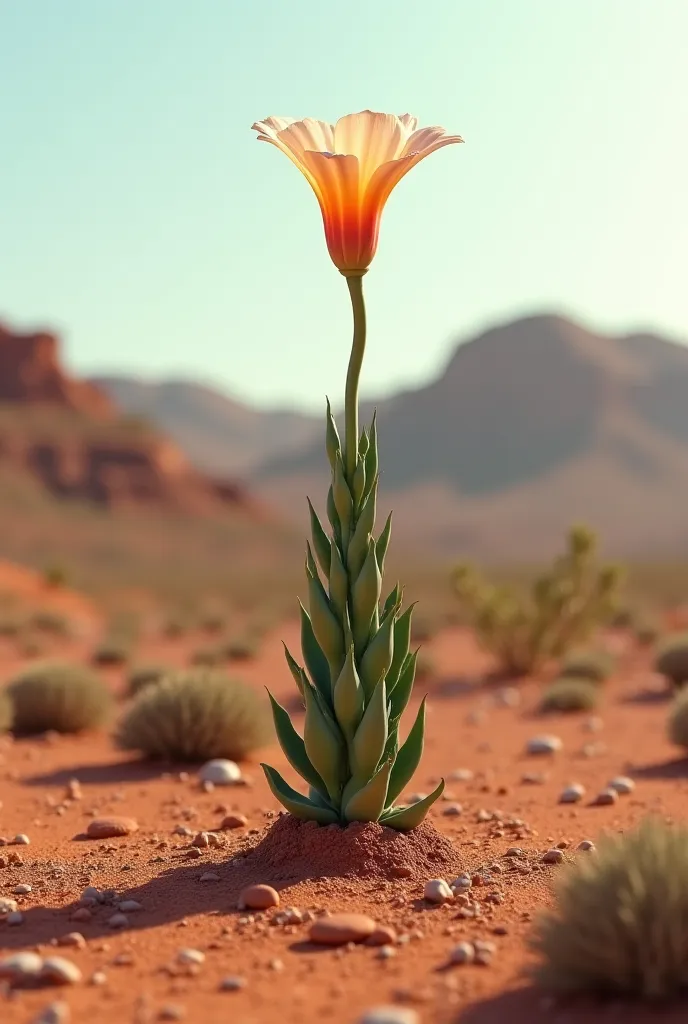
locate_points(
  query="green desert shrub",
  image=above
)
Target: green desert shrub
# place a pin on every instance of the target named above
(55, 575)
(619, 924)
(141, 676)
(671, 660)
(212, 620)
(526, 629)
(58, 697)
(196, 715)
(569, 693)
(6, 711)
(677, 725)
(596, 666)
(242, 648)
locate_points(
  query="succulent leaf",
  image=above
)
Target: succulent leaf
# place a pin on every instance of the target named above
(378, 657)
(408, 757)
(321, 542)
(324, 745)
(316, 662)
(364, 599)
(348, 697)
(294, 747)
(370, 739)
(332, 442)
(403, 819)
(297, 804)
(328, 631)
(368, 803)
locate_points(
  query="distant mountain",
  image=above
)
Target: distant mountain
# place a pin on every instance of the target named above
(532, 425)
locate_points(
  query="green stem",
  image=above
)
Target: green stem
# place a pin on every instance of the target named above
(353, 375)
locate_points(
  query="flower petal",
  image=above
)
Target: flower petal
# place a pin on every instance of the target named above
(426, 139)
(373, 138)
(338, 178)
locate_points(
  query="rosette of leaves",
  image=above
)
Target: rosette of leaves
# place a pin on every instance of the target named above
(359, 671)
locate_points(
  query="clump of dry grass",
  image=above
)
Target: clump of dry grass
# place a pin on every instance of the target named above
(141, 676)
(671, 660)
(677, 724)
(619, 925)
(208, 656)
(196, 715)
(48, 620)
(596, 666)
(242, 648)
(6, 711)
(570, 693)
(58, 697)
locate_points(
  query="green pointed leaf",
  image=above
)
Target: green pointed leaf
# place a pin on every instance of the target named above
(371, 736)
(409, 756)
(383, 542)
(343, 500)
(402, 641)
(294, 747)
(295, 669)
(328, 631)
(324, 745)
(363, 443)
(333, 517)
(339, 581)
(358, 483)
(321, 542)
(311, 567)
(369, 802)
(297, 804)
(316, 662)
(392, 600)
(403, 819)
(332, 442)
(371, 456)
(358, 545)
(348, 697)
(401, 694)
(378, 657)
(365, 595)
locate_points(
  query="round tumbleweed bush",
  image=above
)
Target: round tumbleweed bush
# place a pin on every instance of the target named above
(58, 697)
(619, 925)
(596, 666)
(672, 659)
(145, 675)
(196, 715)
(570, 694)
(677, 725)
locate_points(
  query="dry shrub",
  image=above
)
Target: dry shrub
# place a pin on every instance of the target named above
(671, 660)
(619, 925)
(6, 711)
(48, 620)
(596, 666)
(58, 697)
(196, 715)
(677, 724)
(242, 648)
(208, 657)
(570, 694)
(145, 675)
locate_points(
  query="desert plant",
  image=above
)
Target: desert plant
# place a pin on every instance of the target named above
(6, 711)
(671, 660)
(563, 608)
(195, 715)
(569, 693)
(619, 925)
(112, 651)
(47, 620)
(596, 666)
(241, 648)
(145, 675)
(55, 575)
(677, 724)
(58, 697)
(209, 656)
(646, 631)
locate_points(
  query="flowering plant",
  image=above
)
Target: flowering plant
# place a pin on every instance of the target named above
(359, 670)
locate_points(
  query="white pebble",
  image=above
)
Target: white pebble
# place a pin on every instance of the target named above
(53, 1013)
(129, 906)
(586, 845)
(21, 840)
(209, 876)
(233, 983)
(21, 967)
(7, 906)
(553, 857)
(452, 810)
(606, 797)
(460, 775)
(622, 784)
(220, 771)
(572, 794)
(461, 883)
(60, 971)
(544, 745)
(21, 890)
(389, 1015)
(437, 891)
(118, 920)
(15, 918)
(190, 956)
(464, 953)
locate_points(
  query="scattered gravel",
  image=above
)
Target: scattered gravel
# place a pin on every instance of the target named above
(438, 891)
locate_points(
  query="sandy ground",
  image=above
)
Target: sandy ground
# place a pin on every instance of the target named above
(138, 977)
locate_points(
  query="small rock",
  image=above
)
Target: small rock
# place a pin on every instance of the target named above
(59, 971)
(258, 897)
(508, 697)
(21, 968)
(460, 775)
(389, 1015)
(220, 772)
(209, 876)
(382, 936)
(72, 939)
(7, 906)
(15, 918)
(201, 839)
(461, 884)
(111, 828)
(53, 1013)
(606, 797)
(22, 890)
(464, 953)
(437, 891)
(572, 794)
(593, 724)
(484, 952)
(98, 978)
(338, 929)
(172, 1012)
(190, 956)
(386, 952)
(452, 811)
(553, 856)
(81, 914)
(91, 893)
(129, 906)
(533, 778)
(544, 745)
(118, 920)
(21, 840)
(234, 821)
(622, 784)
(233, 983)
(586, 845)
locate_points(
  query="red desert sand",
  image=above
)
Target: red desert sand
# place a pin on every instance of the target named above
(148, 923)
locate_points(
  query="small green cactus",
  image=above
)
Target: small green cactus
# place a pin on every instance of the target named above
(195, 715)
(570, 694)
(619, 925)
(563, 608)
(596, 666)
(58, 697)
(671, 660)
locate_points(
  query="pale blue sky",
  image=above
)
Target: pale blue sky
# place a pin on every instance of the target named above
(142, 219)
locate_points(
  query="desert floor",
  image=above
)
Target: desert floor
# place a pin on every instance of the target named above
(510, 801)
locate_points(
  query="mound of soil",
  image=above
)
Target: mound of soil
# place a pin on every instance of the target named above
(292, 851)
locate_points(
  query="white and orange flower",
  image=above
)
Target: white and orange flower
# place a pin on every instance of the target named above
(352, 167)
